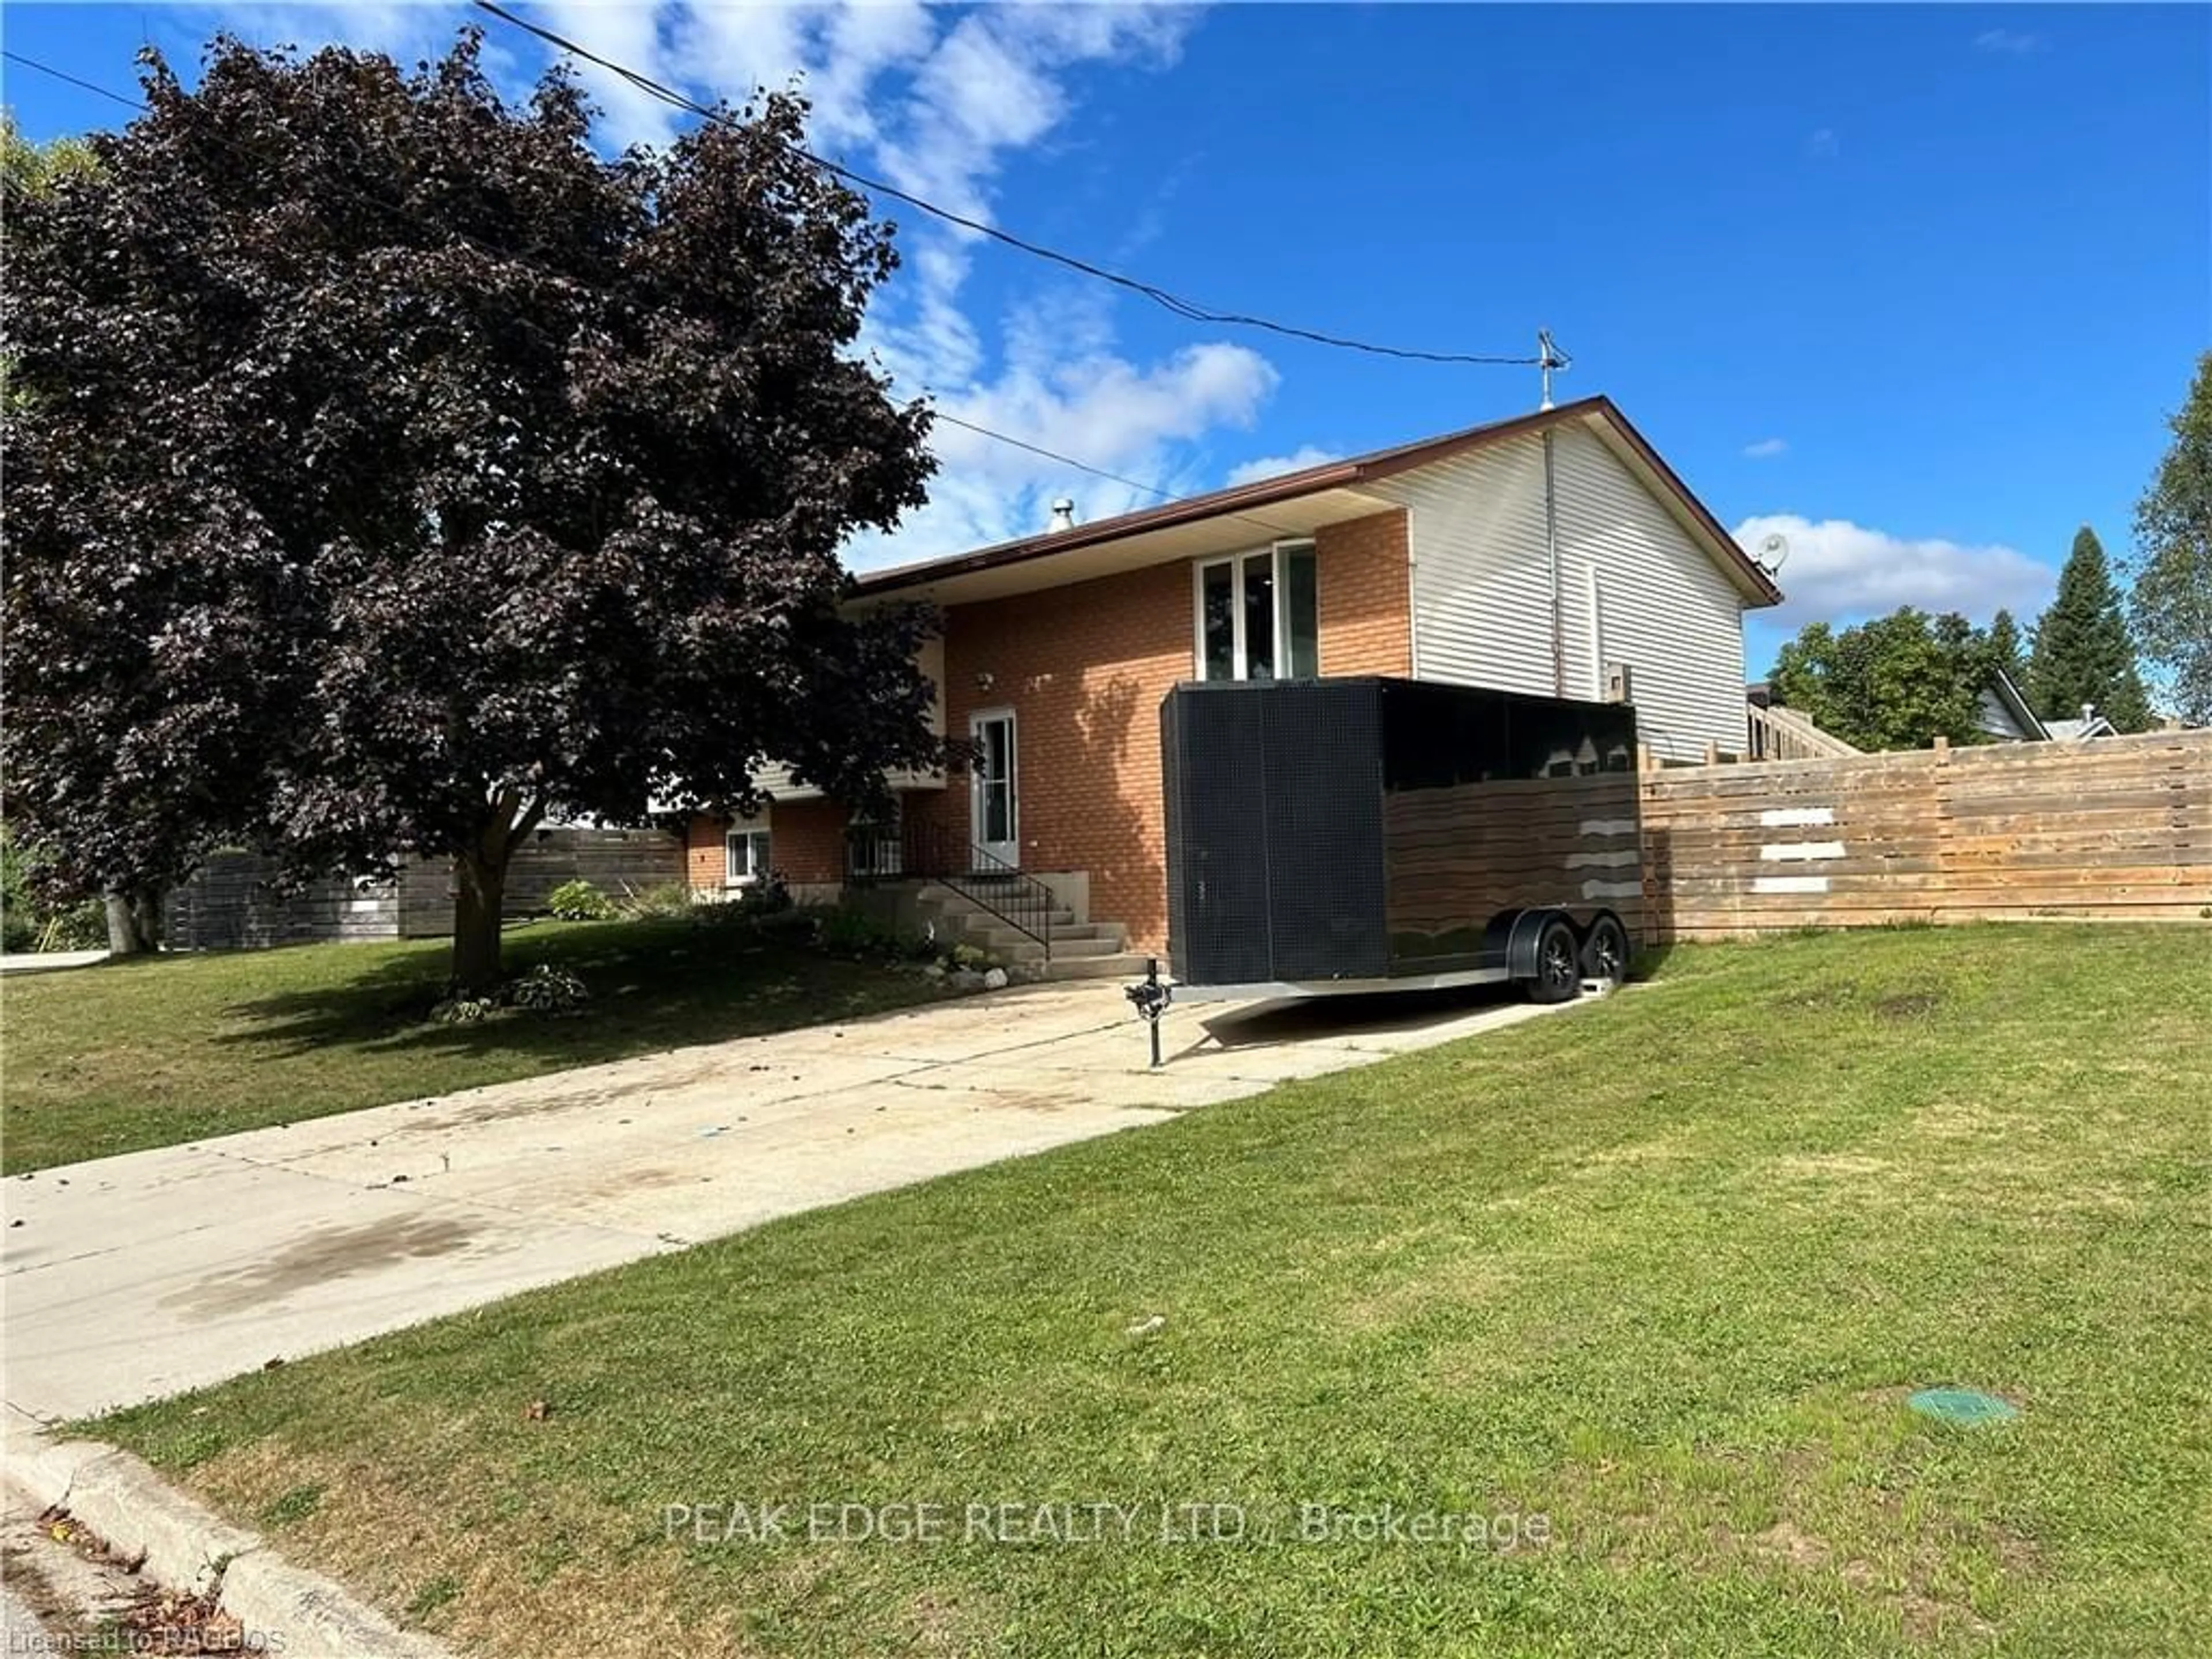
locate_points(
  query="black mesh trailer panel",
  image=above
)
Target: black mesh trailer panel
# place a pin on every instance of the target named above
(1325, 867)
(1367, 830)
(1214, 765)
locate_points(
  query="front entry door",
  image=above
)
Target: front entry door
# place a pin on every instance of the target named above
(993, 816)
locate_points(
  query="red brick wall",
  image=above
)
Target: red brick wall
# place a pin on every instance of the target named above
(1084, 669)
(1366, 596)
(703, 866)
(807, 844)
(807, 841)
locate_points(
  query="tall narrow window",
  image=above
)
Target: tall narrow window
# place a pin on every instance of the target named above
(1301, 613)
(1216, 620)
(1260, 617)
(1257, 616)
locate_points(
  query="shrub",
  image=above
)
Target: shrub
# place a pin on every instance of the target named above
(865, 938)
(79, 926)
(850, 933)
(463, 1010)
(579, 901)
(795, 926)
(768, 897)
(30, 919)
(667, 898)
(546, 989)
(19, 923)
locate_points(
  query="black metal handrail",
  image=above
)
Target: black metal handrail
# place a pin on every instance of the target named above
(931, 852)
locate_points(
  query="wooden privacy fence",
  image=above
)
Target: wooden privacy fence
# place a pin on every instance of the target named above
(233, 901)
(2117, 829)
(612, 860)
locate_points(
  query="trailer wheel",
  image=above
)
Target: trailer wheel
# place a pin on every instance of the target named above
(1605, 952)
(1559, 976)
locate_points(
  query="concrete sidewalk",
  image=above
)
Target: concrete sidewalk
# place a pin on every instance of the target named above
(137, 1276)
(50, 961)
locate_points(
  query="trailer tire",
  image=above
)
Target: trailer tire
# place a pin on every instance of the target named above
(1605, 951)
(1558, 966)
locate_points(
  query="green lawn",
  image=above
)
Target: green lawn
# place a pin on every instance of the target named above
(1660, 1271)
(153, 1052)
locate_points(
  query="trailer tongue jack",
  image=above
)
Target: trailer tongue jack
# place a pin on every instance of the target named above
(1150, 997)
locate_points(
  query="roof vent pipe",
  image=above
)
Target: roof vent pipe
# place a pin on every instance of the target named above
(1063, 514)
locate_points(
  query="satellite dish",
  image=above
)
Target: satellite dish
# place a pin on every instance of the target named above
(1773, 553)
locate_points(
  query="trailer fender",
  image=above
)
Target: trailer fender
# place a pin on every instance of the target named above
(1523, 928)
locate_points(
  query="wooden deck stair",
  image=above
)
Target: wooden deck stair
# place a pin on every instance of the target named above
(1778, 733)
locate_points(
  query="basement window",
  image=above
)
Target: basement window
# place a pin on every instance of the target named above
(1257, 615)
(745, 853)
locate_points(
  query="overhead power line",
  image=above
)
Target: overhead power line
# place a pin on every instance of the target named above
(1181, 307)
(939, 414)
(936, 412)
(64, 75)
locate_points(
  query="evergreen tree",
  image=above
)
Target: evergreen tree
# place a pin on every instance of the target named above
(2084, 653)
(2005, 646)
(2172, 597)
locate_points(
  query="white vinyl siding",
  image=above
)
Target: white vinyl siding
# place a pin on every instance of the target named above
(1631, 577)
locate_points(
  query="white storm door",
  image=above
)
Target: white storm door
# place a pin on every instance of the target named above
(993, 815)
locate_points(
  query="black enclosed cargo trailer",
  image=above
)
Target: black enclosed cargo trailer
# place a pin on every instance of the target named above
(1359, 835)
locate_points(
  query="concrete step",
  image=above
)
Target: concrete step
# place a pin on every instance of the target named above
(950, 905)
(1104, 944)
(1019, 949)
(993, 934)
(1126, 964)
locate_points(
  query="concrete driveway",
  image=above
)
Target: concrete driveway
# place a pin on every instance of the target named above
(134, 1277)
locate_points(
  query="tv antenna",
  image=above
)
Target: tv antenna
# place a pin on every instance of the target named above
(1550, 357)
(1773, 553)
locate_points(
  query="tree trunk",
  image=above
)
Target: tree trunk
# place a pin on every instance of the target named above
(127, 935)
(146, 907)
(479, 885)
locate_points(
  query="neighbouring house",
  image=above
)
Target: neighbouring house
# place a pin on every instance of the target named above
(2090, 725)
(2005, 715)
(1556, 553)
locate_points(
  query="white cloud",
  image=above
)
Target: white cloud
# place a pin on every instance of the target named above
(1837, 571)
(1063, 388)
(937, 103)
(1822, 144)
(1767, 448)
(2014, 42)
(937, 107)
(1273, 466)
(629, 35)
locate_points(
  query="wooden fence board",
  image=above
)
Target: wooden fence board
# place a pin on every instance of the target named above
(2120, 828)
(235, 902)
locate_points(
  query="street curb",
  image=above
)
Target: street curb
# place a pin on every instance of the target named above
(187, 1546)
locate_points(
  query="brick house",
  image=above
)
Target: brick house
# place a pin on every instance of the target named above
(1553, 553)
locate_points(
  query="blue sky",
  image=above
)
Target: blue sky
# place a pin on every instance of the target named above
(1914, 285)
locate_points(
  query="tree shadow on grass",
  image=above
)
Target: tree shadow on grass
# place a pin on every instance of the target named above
(652, 985)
